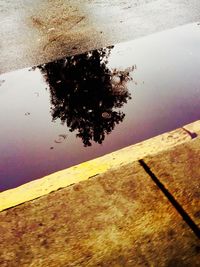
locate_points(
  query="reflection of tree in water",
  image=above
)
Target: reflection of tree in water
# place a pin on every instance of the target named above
(85, 94)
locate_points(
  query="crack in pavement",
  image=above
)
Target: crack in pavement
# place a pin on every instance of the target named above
(191, 134)
(172, 200)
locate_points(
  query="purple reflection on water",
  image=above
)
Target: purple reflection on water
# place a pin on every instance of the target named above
(165, 91)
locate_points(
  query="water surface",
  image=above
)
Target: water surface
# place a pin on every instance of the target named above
(75, 109)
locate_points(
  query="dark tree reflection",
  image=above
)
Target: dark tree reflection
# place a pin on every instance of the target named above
(86, 94)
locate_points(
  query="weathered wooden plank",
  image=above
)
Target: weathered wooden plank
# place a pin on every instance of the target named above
(178, 170)
(117, 219)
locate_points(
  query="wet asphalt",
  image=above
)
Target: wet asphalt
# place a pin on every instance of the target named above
(35, 32)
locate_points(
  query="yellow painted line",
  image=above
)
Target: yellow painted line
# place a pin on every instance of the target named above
(85, 170)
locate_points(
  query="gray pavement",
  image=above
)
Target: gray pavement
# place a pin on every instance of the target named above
(35, 32)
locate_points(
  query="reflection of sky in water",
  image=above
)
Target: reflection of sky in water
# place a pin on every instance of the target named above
(165, 95)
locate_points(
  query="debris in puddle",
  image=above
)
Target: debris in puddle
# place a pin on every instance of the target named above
(1, 82)
(106, 115)
(64, 136)
(27, 113)
(51, 147)
(57, 142)
(60, 139)
(115, 79)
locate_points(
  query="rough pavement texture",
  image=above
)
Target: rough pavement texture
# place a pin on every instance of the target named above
(179, 171)
(35, 32)
(120, 218)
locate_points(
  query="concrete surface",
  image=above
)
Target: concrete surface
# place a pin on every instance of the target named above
(193, 128)
(178, 170)
(119, 218)
(94, 167)
(35, 32)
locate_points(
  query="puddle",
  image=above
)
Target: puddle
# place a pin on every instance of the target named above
(81, 107)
